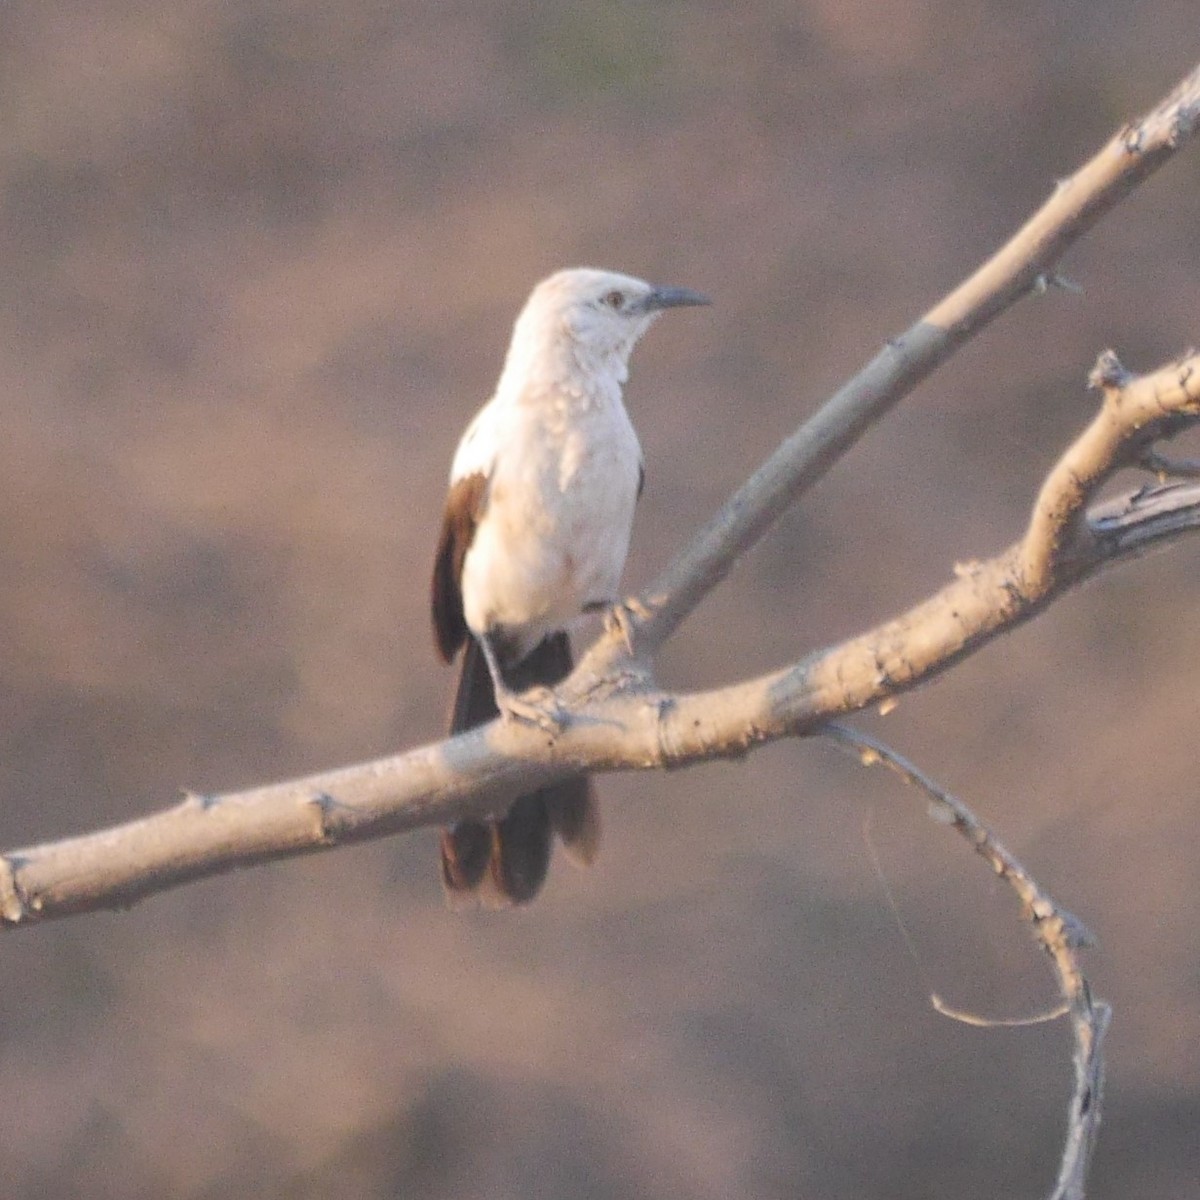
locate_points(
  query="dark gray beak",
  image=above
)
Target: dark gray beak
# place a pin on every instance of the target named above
(672, 297)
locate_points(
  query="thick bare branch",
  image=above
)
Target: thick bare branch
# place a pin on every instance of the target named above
(623, 723)
(987, 598)
(1025, 264)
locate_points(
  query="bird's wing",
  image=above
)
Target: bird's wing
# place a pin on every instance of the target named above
(477, 448)
(464, 508)
(469, 476)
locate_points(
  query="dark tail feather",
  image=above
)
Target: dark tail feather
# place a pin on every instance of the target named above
(465, 852)
(576, 819)
(521, 843)
(504, 862)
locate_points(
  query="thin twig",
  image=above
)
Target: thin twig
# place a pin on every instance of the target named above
(1060, 933)
(936, 1001)
(1166, 467)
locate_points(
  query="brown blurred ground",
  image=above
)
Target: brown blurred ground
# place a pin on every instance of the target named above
(259, 263)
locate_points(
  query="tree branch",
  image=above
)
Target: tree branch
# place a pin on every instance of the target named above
(620, 721)
(1062, 547)
(1023, 265)
(1169, 468)
(1061, 935)
(623, 723)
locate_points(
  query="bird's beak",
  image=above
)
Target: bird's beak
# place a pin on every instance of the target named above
(672, 297)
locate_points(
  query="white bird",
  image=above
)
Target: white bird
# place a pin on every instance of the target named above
(536, 530)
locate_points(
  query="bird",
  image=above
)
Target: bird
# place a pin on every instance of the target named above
(535, 533)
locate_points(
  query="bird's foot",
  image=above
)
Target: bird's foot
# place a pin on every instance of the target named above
(539, 707)
(622, 617)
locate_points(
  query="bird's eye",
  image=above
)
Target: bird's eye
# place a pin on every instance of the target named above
(614, 299)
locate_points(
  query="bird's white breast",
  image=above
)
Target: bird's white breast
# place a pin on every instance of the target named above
(563, 471)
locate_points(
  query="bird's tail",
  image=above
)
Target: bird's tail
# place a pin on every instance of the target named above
(503, 862)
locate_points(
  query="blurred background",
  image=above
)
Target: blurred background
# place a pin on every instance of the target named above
(260, 262)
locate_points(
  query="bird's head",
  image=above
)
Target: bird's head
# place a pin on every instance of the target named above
(589, 320)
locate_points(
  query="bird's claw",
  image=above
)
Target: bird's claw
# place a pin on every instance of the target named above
(621, 619)
(538, 707)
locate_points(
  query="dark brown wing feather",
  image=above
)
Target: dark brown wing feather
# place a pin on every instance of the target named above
(504, 862)
(464, 508)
